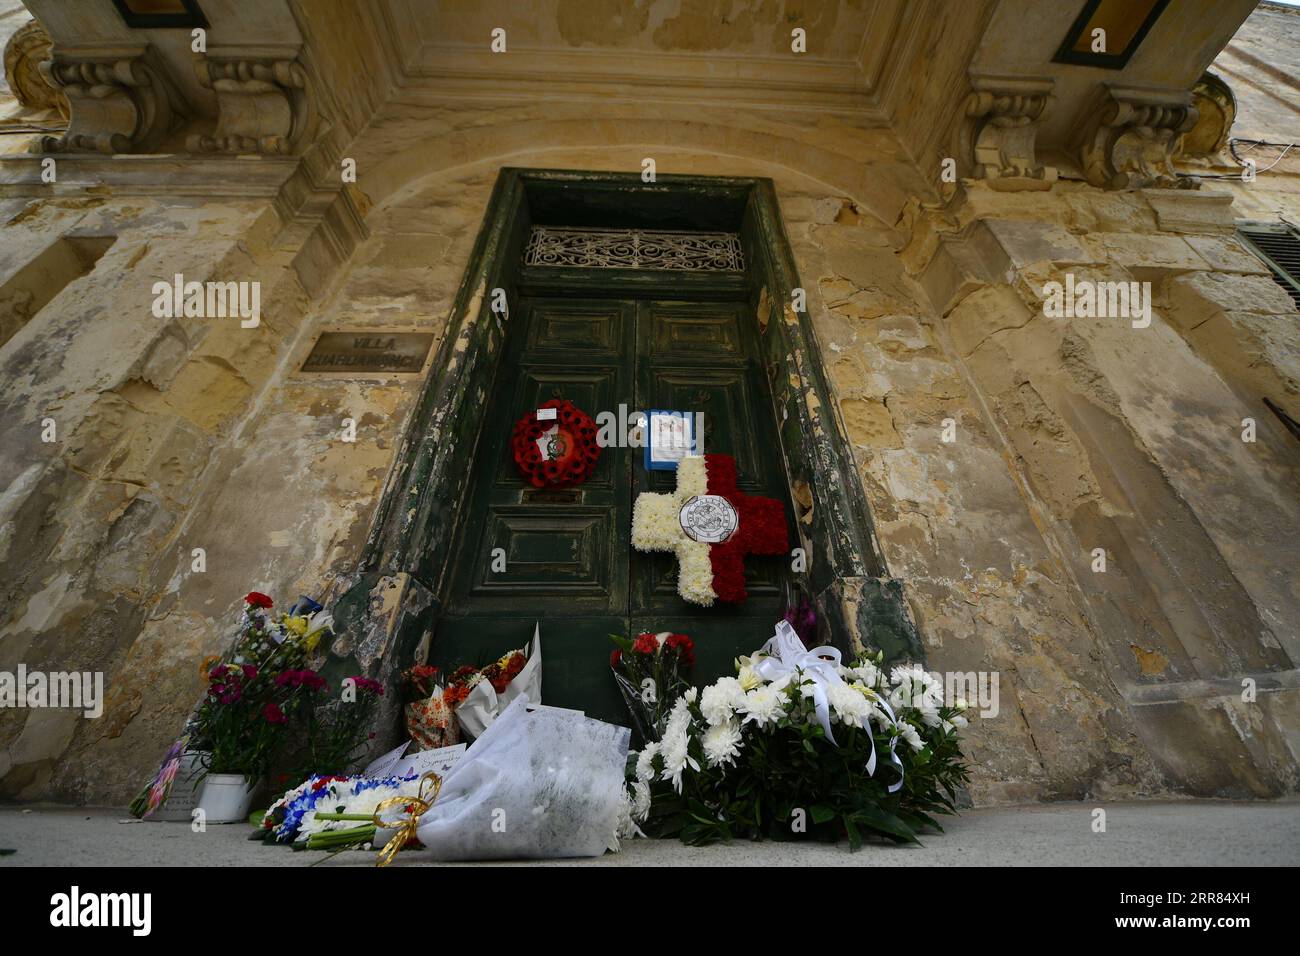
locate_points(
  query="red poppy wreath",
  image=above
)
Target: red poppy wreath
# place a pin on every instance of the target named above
(556, 451)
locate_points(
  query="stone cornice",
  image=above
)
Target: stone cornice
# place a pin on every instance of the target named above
(878, 39)
(428, 72)
(180, 175)
(835, 88)
(451, 89)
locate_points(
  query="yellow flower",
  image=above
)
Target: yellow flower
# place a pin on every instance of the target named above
(296, 626)
(748, 679)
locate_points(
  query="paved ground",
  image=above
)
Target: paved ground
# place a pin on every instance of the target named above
(1202, 833)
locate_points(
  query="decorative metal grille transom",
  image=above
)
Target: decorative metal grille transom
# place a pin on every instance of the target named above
(635, 249)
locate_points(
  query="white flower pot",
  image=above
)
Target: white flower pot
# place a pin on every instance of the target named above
(226, 797)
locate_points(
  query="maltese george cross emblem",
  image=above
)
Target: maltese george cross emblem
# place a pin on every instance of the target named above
(711, 526)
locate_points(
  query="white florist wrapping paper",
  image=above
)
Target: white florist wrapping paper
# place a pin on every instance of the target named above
(483, 703)
(541, 783)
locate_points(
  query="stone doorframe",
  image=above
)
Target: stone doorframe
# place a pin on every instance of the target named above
(394, 598)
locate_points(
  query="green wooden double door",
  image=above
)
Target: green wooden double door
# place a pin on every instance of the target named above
(562, 557)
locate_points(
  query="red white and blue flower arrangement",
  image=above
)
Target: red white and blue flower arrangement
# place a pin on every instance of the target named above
(333, 812)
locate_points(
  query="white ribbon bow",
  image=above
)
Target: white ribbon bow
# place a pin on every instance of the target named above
(784, 654)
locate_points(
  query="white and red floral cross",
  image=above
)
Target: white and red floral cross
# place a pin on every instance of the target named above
(712, 527)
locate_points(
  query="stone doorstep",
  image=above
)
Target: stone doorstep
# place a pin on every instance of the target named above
(1143, 833)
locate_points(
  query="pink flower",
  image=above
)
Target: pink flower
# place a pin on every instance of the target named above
(303, 678)
(366, 684)
(273, 714)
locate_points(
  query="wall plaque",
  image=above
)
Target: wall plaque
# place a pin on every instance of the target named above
(372, 351)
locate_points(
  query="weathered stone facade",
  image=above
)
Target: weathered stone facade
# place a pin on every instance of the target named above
(926, 296)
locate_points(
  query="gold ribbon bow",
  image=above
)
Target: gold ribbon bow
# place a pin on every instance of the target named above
(417, 806)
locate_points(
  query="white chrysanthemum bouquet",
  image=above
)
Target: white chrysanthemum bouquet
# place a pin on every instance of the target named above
(799, 744)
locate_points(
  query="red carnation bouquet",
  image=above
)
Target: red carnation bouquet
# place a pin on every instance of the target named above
(487, 692)
(441, 714)
(556, 451)
(648, 671)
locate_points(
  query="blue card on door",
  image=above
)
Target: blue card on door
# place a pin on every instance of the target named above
(669, 437)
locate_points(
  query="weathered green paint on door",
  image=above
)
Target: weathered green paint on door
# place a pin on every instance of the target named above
(568, 560)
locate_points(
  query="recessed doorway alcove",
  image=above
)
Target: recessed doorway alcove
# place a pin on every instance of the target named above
(632, 314)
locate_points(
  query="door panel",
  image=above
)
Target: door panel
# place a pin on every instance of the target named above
(568, 558)
(546, 551)
(589, 387)
(577, 330)
(657, 593)
(565, 549)
(693, 334)
(730, 406)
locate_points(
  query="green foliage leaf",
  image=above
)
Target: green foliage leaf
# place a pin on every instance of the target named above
(855, 835)
(886, 824)
(821, 813)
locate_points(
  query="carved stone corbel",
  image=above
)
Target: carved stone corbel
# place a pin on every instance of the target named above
(263, 104)
(1216, 109)
(120, 98)
(26, 50)
(999, 128)
(1127, 138)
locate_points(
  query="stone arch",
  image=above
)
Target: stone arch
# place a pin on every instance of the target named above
(864, 179)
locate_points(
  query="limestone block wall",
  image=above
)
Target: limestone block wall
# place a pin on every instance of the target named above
(167, 438)
(989, 593)
(137, 406)
(1130, 440)
(1069, 435)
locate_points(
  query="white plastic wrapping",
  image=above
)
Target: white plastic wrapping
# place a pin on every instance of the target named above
(540, 783)
(483, 704)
